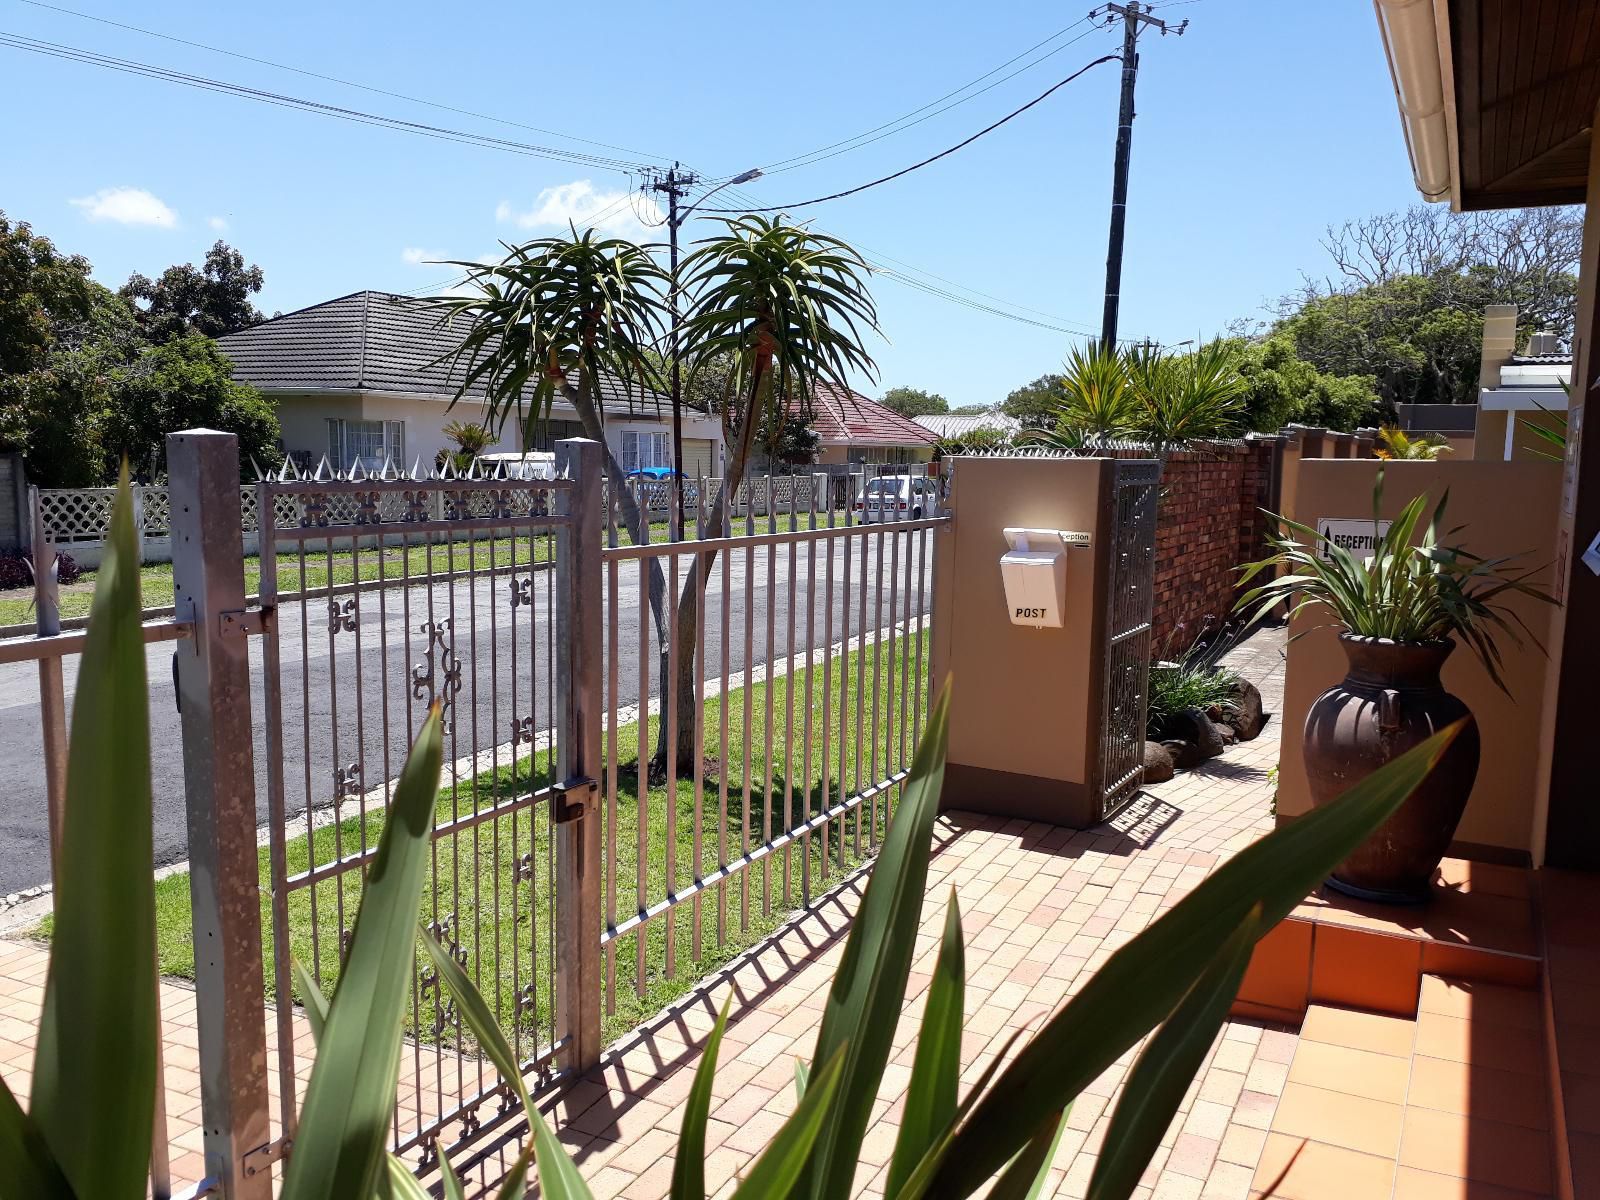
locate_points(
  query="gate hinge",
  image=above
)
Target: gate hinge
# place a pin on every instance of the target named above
(574, 799)
(262, 1157)
(245, 621)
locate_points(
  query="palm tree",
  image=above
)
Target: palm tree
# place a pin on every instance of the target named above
(559, 314)
(1097, 402)
(1397, 444)
(471, 439)
(789, 307)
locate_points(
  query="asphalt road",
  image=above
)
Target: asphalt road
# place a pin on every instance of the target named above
(350, 700)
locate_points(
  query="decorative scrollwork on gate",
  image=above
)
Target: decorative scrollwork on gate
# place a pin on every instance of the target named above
(438, 675)
(314, 515)
(342, 617)
(521, 591)
(347, 782)
(527, 1004)
(417, 503)
(367, 508)
(525, 868)
(522, 732)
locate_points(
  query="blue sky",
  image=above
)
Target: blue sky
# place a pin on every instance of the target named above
(1263, 124)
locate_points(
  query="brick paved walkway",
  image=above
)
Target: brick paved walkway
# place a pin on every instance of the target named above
(1042, 908)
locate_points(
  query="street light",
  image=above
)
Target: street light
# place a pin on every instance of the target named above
(674, 185)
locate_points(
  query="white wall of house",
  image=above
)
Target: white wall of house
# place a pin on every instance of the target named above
(417, 424)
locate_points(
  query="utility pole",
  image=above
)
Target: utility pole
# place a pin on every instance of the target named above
(1134, 18)
(675, 185)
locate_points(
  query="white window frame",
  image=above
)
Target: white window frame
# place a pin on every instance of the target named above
(342, 435)
(642, 448)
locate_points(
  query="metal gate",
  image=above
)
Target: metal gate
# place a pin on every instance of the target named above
(386, 593)
(1130, 603)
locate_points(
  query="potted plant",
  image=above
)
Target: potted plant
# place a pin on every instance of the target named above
(1402, 610)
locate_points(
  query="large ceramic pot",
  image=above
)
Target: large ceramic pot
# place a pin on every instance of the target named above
(1390, 701)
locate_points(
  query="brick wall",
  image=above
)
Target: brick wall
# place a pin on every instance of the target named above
(1209, 522)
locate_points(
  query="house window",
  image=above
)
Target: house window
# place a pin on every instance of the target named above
(369, 443)
(643, 449)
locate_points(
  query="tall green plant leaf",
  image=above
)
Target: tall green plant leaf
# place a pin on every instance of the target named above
(1169, 1062)
(777, 1172)
(1142, 982)
(558, 1176)
(27, 1168)
(864, 1003)
(99, 1023)
(344, 1123)
(1025, 1176)
(931, 1094)
(689, 1167)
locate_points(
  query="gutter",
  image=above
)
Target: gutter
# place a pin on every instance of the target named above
(1416, 42)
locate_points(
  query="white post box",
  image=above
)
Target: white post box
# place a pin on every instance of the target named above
(1034, 571)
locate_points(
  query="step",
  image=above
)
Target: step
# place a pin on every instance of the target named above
(1451, 1102)
(1478, 924)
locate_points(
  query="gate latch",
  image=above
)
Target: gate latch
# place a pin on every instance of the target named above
(574, 799)
(245, 622)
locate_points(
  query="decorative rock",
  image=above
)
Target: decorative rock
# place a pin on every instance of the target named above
(1186, 756)
(1158, 766)
(1192, 725)
(1247, 717)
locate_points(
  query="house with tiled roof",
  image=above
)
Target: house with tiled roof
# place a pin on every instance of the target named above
(360, 380)
(855, 429)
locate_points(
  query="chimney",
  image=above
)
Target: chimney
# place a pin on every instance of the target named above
(1499, 342)
(1544, 342)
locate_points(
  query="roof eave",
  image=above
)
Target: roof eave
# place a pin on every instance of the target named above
(1416, 41)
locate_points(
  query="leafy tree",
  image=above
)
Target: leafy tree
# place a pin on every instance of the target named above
(1035, 404)
(971, 410)
(183, 384)
(1281, 387)
(981, 440)
(914, 402)
(212, 299)
(790, 440)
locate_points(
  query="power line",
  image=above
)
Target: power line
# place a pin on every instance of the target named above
(902, 123)
(267, 62)
(1105, 58)
(356, 116)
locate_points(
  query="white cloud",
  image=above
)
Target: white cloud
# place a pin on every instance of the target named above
(127, 206)
(220, 224)
(416, 256)
(580, 203)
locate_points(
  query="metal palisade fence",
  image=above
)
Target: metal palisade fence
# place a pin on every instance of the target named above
(656, 749)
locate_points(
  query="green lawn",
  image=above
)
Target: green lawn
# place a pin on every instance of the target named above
(343, 567)
(476, 894)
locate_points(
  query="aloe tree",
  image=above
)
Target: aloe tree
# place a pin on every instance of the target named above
(789, 307)
(558, 315)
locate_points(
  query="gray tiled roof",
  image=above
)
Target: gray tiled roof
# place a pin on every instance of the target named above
(376, 342)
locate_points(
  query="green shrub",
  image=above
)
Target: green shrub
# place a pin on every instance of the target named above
(1195, 679)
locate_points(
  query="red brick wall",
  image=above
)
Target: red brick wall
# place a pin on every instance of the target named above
(1208, 524)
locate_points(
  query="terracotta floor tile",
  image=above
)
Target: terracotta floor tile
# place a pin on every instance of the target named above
(1242, 1145)
(1496, 1004)
(1512, 1097)
(1506, 1155)
(1481, 1043)
(1358, 1030)
(1357, 1123)
(1412, 1184)
(1365, 970)
(1356, 1072)
(1321, 1172)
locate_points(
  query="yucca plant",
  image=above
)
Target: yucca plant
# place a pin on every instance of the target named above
(88, 1131)
(1186, 398)
(1098, 404)
(1398, 444)
(1414, 587)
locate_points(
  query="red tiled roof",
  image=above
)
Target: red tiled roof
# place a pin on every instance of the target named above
(843, 417)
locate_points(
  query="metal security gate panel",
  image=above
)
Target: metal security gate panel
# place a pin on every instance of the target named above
(1130, 603)
(387, 595)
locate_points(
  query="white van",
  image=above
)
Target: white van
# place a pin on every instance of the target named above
(899, 498)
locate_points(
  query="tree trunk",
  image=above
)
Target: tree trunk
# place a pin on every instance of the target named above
(694, 591)
(635, 521)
